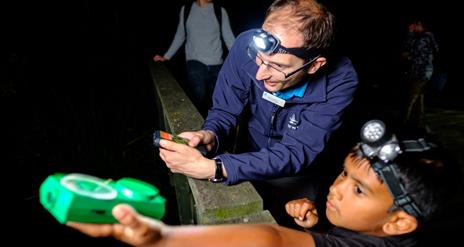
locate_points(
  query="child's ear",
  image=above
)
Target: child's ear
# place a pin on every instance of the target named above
(316, 65)
(400, 223)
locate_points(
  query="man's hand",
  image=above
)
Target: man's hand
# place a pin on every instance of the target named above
(180, 158)
(201, 137)
(132, 229)
(303, 212)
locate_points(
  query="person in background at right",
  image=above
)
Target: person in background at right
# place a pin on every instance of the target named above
(419, 50)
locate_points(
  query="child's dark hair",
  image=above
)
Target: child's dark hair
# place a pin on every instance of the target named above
(427, 178)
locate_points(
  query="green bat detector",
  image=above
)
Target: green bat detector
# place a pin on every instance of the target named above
(83, 198)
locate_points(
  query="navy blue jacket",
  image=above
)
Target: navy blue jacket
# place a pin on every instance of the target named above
(284, 140)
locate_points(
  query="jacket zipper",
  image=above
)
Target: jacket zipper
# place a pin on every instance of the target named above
(274, 113)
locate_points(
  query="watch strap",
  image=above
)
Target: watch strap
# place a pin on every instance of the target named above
(218, 174)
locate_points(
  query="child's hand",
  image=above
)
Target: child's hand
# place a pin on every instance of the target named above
(303, 212)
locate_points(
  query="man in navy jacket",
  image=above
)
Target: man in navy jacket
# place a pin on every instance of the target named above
(295, 96)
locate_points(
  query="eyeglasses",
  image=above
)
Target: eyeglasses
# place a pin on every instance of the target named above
(254, 55)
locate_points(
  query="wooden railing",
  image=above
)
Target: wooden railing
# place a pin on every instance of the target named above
(199, 201)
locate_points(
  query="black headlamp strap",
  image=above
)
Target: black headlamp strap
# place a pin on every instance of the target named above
(390, 177)
(418, 145)
(274, 47)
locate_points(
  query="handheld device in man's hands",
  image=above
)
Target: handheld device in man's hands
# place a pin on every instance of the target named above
(84, 198)
(159, 134)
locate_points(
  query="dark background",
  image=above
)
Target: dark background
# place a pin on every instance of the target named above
(81, 31)
(77, 97)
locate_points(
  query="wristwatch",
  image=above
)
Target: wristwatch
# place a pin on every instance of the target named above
(218, 175)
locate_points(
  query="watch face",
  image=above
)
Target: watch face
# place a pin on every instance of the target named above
(89, 186)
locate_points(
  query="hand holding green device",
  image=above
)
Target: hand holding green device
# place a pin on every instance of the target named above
(83, 198)
(159, 134)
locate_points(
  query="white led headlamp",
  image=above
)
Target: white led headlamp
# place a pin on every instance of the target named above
(267, 43)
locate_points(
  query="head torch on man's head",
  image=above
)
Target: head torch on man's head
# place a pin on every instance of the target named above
(267, 43)
(382, 148)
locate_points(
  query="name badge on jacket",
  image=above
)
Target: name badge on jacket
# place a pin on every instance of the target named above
(273, 99)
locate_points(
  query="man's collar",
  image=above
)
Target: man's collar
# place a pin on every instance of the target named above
(287, 94)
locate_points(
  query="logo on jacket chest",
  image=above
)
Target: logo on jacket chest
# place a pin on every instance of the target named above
(292, 122)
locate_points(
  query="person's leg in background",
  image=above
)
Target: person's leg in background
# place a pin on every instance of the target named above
(197, 74)
(213, 72)
(415, 117)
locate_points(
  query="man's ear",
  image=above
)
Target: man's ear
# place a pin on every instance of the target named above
(400, 223)
(316, 65)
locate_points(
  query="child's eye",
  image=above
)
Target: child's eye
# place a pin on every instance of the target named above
(358, 190)
(344, 173)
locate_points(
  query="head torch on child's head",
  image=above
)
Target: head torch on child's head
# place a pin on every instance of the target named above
(382, 147)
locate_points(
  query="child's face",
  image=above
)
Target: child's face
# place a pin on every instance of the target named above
(358, 200)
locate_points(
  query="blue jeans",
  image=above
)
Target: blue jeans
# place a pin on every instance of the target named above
(202, 79)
